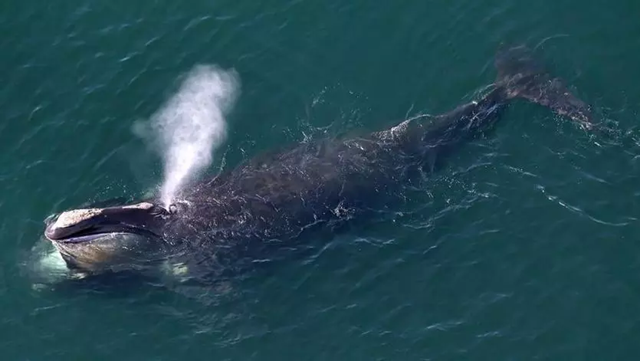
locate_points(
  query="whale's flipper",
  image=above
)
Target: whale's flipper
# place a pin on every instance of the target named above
(521, 76)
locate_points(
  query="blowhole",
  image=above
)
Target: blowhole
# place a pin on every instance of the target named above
(173, 209)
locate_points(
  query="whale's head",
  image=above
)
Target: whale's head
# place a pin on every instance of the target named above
(111, 238)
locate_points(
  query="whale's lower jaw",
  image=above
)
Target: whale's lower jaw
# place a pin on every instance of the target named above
(110, 251)
(107, 238)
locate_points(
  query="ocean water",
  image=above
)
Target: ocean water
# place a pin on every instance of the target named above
(526, 246)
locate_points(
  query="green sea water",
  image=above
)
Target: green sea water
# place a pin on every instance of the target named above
(526, 246)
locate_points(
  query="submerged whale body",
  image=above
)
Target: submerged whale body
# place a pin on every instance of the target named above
(279, 195)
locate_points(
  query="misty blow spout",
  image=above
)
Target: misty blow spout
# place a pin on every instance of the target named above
(190, 126)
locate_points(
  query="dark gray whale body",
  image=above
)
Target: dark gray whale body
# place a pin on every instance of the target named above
(278, 196)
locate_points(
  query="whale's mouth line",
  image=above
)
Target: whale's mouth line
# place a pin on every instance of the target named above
(88, 237)
(96, 232)
(83, 225)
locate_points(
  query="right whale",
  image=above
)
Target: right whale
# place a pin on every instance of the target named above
(277, 196)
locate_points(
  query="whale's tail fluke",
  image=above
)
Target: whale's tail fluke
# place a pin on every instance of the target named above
(521, 76)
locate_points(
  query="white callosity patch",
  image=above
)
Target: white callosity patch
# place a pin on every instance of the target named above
(70, 218)
(143, 205)
(190, 126)
(75, 216)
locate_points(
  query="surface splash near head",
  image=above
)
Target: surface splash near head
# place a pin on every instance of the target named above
(189, 127)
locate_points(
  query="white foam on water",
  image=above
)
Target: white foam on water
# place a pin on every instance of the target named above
(46, 266)
(53, 262)
(189, 127)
